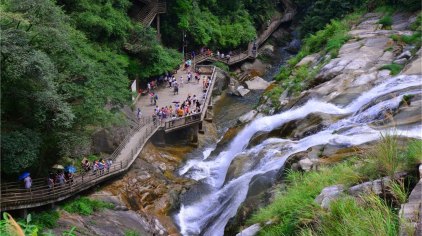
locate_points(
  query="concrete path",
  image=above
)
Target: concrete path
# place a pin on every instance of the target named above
(166, 96)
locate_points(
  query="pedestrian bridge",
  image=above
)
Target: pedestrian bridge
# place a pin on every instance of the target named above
(14, 196)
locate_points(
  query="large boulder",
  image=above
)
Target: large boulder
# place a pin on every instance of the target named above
(257, 83)
(221, 82)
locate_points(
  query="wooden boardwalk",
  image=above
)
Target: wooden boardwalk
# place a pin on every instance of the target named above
(252, 52)
(14, 196)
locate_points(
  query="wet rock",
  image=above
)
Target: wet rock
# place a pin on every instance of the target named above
(329, 194)
(242, 90)
(406, 54)
(401, 61)
(267, 48)
(257, 83)
(306, 164)
(247, 117)
(250, 231)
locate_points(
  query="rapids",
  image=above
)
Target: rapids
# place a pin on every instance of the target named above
(209, 213)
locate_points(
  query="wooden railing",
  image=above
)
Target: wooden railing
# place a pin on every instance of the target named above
(15, 196)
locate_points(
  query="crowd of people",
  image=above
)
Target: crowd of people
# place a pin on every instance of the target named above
(97, 166)
(59, 178)
(190, 106)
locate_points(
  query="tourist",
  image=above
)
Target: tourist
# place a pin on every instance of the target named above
(181, 81)
(218, 54)
(155, 99)
(151, 97)
(95, 167)
(60, 178)
(28, 182)
(149, 86)
(189, 77)
(69, 177)
(176, 89)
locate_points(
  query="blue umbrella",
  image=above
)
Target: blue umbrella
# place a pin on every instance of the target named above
(70, 169)
(24, 175)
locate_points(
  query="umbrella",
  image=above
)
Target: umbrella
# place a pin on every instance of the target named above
(70, 169)
(24, 175)
(176, 102)
(57, 166)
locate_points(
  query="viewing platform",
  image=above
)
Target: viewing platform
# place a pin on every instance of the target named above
(14, 196)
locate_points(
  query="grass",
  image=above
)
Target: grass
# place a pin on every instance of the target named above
(370, 216)
(86, 206)
(393, 68)
(294, 211)
(296, 208)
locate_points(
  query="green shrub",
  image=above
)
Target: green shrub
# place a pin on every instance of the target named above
(86, 206)
(386, 21)
(416, 26)
(394, 68)
(274, 94)
(46, 219)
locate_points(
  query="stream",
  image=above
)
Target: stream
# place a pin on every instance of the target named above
(211, 209)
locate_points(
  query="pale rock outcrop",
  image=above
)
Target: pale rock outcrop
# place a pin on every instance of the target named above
(257, 83)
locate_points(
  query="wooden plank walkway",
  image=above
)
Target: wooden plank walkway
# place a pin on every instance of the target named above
(14, 196)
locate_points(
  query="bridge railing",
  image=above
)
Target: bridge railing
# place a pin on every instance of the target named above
(15, 196)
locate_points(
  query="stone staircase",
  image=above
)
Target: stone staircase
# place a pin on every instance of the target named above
(148, 13)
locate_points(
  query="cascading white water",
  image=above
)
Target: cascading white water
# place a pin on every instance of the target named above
(210, 214)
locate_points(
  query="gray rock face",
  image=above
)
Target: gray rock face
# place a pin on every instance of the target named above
(247, 117)
(328, 194)
(400, 61)
(250, 231)
(257, 83)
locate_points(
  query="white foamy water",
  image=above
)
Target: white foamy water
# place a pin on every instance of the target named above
(209, 214)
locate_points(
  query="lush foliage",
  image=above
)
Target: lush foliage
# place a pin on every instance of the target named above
(294, 211)
(65, 69)
(46, 219)
(85, 206)
(215, 23)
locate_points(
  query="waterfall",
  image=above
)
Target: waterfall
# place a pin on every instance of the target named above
(209, 214)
